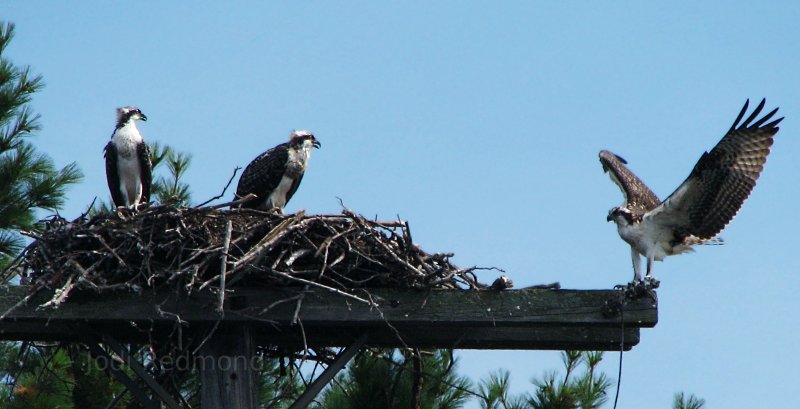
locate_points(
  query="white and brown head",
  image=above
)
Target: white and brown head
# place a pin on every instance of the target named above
(127, 114)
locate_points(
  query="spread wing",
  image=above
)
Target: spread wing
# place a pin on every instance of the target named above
(263, 175)
(146, 166)
(112, 176)
(722, 179)
(639, 199)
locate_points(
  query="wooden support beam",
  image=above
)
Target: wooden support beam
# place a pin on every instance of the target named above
(117, 399)
(107, 364)
(513, 319)
(327, 375)
(139, 370)
(227, 364)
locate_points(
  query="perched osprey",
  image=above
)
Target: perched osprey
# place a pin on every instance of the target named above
(128, 167)
(275, 174)
(703, 204)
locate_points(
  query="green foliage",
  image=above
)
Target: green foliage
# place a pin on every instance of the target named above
(680, 401)
(278, 391)
(585, 390)
(43, 384)
(493, 392)
(52, 377)
(385, 379)
(67, 377)
(93, 388)
(28, 180)
(170, 189)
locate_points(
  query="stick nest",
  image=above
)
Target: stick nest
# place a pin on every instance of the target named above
(194, 248)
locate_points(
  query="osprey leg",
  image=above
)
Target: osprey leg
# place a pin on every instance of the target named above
(637, 265)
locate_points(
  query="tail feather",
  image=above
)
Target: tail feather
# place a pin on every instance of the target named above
(714, 241)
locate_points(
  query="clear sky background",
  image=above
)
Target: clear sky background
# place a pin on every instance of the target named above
(480, 123)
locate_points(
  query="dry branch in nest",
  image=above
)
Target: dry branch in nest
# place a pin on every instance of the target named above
(199, 248)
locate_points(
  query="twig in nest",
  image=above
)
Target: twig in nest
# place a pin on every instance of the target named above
(223, 266)
(388, 249)
(207, 337)
(250, 196)
(324, 287)
(256, 253)
(279, 302)
(5, 277)
(110, 250)
(35, 290)
(88, 209)
(62, 293)
(223, 190)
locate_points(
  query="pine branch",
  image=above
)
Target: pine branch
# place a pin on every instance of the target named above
(28, 180)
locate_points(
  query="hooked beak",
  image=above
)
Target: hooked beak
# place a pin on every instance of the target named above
(315, 143)
(609, 218)
(143, 117)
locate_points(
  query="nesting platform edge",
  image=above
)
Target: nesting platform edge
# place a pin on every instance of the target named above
(510, 319)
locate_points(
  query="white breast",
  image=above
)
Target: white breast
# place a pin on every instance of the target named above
(126, 140)
(278, 196)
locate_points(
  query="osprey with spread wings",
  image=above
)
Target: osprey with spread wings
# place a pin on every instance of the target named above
(703, 204)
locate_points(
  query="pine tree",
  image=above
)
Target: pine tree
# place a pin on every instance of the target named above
(28, 180)
(587, 390)
(680, 401)
(170, 189)
(387, 379)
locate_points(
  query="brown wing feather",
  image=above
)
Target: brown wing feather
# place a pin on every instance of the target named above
(146, 166)
(724, 177)
(112, 176)
(262, 176)
(639, 199)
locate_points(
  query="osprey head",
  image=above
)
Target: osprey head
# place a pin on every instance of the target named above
(303, 138)
(620, 215)
(129, 113)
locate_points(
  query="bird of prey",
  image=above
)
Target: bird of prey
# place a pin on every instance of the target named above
(128, 167)
(703, 204)
(275, 174)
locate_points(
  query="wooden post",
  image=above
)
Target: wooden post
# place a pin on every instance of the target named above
(227, 364)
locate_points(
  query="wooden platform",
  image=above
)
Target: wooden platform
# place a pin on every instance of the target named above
(511, 319)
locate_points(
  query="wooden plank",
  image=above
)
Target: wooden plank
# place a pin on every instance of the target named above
(541, 338)
(413, 307)
(520, 319)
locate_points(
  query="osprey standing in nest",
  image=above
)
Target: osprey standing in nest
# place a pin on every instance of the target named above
(702, 205)
(128, 167)
(275, 174)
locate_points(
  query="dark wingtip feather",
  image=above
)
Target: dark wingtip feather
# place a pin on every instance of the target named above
(741, 114)
(604, 154)
(774, 123)
(766, 118)
(746, 123)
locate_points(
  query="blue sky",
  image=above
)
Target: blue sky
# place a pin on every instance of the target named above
(480, 123)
